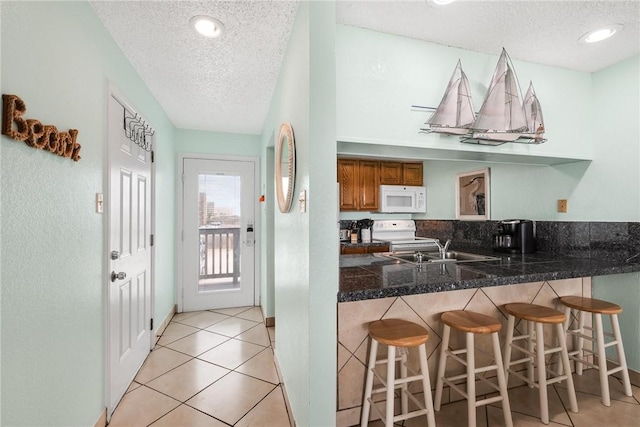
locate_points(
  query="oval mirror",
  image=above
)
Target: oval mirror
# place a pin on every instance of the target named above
(285, 167)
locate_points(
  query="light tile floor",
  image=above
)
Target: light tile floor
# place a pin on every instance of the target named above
(209, 368)
(215, 368)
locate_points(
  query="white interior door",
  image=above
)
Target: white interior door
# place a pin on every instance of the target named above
(218, 264)
(129, 282)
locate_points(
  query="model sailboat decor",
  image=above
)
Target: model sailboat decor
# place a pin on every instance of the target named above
(533, 116)
(454, 115)
(503, 117)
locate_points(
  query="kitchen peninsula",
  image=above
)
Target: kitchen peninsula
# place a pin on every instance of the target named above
(375, 286)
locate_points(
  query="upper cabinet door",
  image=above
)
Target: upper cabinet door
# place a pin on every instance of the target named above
(369, 184)
(390, 173)
(348, 177)
(412, 174)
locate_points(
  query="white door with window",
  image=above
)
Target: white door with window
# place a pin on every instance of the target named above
(129, 251)
(218, 233)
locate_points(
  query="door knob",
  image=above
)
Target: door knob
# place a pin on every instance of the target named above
(118, 276)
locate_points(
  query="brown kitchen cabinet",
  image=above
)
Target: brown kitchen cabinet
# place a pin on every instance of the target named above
(412, 174)
(390, 173)
(360, 180)
(400, 173)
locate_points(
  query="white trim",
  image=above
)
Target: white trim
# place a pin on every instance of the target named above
(256, 215)
(112, 91)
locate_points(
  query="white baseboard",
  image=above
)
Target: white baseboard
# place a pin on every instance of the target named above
(292, 421)
(159, 330)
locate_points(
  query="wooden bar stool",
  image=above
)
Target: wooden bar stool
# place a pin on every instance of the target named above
(397, 334)
(471, 324)
(589, 306)
(536, 316)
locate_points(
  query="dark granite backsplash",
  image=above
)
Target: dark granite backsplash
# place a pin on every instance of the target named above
(615, 241)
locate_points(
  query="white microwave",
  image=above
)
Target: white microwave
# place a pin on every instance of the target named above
(403, 199)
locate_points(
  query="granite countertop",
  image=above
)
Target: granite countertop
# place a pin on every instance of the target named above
(373, 276)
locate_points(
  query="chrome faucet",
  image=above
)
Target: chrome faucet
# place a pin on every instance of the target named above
(443, 248)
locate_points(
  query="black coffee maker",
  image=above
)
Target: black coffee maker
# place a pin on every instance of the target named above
(515, 236)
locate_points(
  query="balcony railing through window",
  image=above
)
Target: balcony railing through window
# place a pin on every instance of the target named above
(219, 255)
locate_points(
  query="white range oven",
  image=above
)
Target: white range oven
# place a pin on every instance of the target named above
(401, 236)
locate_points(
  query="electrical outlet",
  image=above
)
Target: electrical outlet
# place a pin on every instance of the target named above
(562, 205)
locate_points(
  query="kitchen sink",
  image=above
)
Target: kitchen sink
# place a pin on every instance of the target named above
(433, 257)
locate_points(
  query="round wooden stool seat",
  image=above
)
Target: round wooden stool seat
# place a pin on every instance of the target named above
(591, 305)
(469, 321)
(535, 313)
(398, 333)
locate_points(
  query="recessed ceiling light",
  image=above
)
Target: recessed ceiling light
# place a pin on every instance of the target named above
(601, 33)
(442, 2)
(207, 26)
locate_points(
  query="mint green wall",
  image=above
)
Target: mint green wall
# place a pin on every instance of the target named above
(609, 190)
(306, 252)
(322, 199)
(291, 231)
(221, 143)
(58, 58)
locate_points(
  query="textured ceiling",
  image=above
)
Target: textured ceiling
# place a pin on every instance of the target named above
(226, 84)
(221, 84)
(543, 32)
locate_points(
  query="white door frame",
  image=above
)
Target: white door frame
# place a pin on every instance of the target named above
(179, 225)
(112, 91)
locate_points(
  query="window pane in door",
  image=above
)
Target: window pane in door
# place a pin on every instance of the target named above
(219, 220)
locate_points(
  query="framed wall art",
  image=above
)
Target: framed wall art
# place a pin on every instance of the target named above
(473, 201)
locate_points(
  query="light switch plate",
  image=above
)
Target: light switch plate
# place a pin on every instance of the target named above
(99, 202)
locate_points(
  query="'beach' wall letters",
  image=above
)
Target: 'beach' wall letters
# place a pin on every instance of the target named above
(34, 133)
